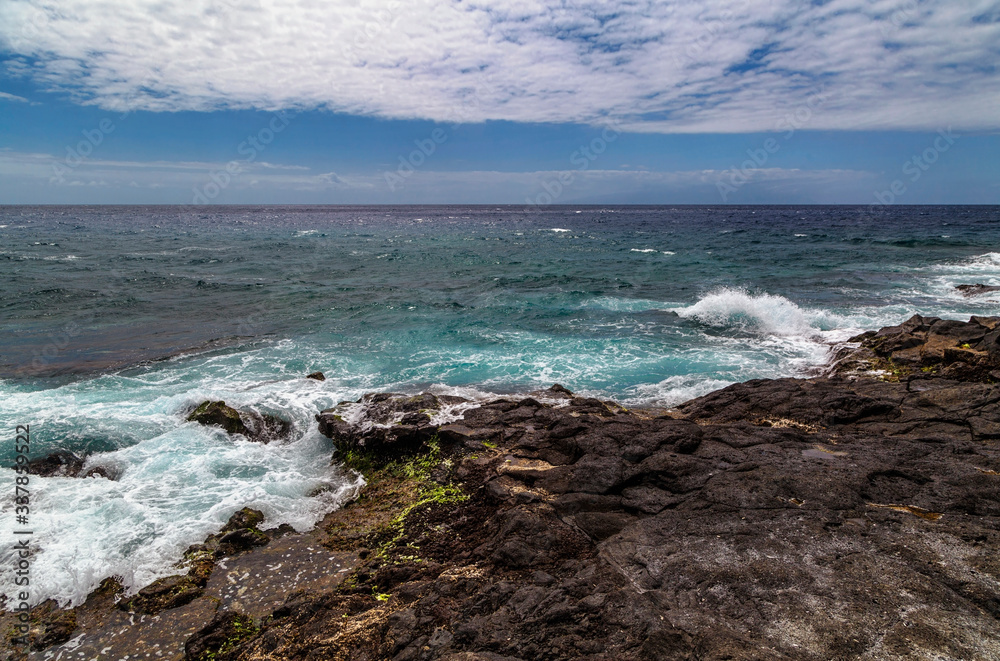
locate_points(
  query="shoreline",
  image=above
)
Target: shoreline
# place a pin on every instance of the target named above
(608, 518)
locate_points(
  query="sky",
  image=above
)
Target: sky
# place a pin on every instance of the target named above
(489, 101)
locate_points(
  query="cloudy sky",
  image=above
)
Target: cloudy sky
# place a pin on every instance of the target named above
(492, 101)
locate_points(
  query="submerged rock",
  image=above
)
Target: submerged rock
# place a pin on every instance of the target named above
(976, 289)
(61, 463)
(256, 427)
(318, 376)
(219, 415)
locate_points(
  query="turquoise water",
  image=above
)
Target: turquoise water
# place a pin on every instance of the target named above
(117, 320)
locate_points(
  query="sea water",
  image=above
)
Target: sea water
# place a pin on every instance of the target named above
(116, 321)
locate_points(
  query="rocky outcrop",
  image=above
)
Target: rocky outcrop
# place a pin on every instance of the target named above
(851, 516)
(976, 289)
(383, 426)
(927, 347)
(254, 426)
(828, 518)
(63, 463)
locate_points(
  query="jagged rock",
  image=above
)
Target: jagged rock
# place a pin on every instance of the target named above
(921, 346)
(256, 427)
(244, 518)
(976, 289)
(593, 532)
(220, 639)
(390, 425)
(163, 593)
(50, 625)
(318, 376)
(60, 463)
(219, 415)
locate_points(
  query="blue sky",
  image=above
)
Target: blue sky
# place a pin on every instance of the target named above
(295, 101)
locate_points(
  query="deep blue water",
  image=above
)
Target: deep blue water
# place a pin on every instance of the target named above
(115, 320)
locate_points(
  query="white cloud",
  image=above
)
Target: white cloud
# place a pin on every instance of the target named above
(39, 172)
(683, 66)
(4, 96)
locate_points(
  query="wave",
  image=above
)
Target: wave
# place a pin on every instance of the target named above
(766, 314)
(619, 304)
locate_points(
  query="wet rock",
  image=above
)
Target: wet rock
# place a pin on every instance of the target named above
(976, 289)
(164, 593)
(385, 426)
(221, 638)
(50, 625)
(241, 540)
(594, 532)
(219, 415)
(926, 347)
(318, 376)
(60, 463)
(240, 534)
(244, 518)
(254, 426)
(107, 472)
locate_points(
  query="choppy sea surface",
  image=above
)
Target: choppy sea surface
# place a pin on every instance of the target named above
(116, 321)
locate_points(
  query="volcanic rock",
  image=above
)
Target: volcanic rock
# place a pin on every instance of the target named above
(254, 426)
(976, 289)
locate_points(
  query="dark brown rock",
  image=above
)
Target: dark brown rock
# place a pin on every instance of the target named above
(254, 426)
(318, 376)
(220, 640)
(164, 593)
(593, 532)
(61, 463)
(219, 415)
(976, 289)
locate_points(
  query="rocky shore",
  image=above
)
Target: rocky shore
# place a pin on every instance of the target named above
(854, 515)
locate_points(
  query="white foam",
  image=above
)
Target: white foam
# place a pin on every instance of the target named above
(644, 250)
(756, 313)
(179, 481)
(675, 390)
(559, 229)
(620, 304)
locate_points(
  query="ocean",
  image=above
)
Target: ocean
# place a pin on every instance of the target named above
(117, 321)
